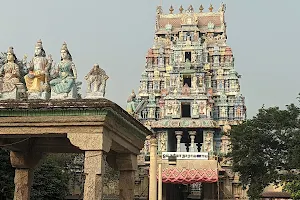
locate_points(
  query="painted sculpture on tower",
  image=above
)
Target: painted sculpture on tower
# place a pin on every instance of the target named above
(37, 79)
(131, 101)
(96, 83)
(63, 84)
(10, 77)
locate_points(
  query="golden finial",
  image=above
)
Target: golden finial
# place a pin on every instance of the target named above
(171, 9)
(181, 9)
(211, 8)
(201, 8)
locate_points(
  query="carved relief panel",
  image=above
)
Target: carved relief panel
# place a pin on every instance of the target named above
(208, 141)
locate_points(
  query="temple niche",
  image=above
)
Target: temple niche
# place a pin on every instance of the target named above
(189, 89)
(41, 78)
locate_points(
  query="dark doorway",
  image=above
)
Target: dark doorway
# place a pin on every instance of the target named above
(187, 80)
(188, 55)
(186, 109)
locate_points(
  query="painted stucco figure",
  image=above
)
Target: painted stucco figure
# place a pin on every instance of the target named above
(37, 79)
(131, 103)
(96, 82)
(9, 73)
(64, 76)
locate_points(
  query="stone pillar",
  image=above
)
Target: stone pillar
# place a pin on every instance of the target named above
(153, 169)
(94, 169)
(160, 184)
(127, 164)
(24, 164)
(178, 137)
(192, 136)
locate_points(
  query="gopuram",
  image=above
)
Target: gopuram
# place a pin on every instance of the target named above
(42, 112)
(189, 95)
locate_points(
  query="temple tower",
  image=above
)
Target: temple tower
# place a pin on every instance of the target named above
(189, 95)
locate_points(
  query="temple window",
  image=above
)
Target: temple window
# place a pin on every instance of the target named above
(188, 55)
(187, 80)
(185, 109)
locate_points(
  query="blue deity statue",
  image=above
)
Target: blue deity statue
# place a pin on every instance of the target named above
(63, 83)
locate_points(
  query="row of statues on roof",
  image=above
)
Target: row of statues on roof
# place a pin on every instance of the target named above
(42, 79)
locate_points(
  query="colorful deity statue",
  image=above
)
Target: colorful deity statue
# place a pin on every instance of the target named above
(10, 79)
(131, 103)
(63, 84)
(96, 82)
(37, 79)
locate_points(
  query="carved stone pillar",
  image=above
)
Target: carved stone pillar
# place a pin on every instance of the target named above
(127, 164)
(24, 164)
(94, 169)
(192, 136)
(153, 169)
(178, 137)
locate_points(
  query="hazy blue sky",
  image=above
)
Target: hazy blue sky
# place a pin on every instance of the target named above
(264, 36)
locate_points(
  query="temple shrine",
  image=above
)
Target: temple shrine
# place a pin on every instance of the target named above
(189, 95)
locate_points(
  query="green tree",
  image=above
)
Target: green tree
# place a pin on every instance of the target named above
(6, 176)
(265, 149)
(51, 178)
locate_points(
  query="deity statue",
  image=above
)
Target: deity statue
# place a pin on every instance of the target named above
(208, 142)
(169, 109)
(202, 108)
(151, 113)
(194, 82)
(37, 79)
(130, 108)
(10, 79)
(96, 82)
(176, 108)
(179, 81)
(63, 84)
(186, 90)
(195, 108)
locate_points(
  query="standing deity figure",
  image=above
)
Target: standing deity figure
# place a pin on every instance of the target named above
(63, 85)
(96, 82)
(37, 79)
(130, 108)
(169, 109)
(194, 82)
(176, 108)
(10, 80)
(195, 108)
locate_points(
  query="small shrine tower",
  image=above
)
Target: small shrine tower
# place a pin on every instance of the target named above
(189, 92)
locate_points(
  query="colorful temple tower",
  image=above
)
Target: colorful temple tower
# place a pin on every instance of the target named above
(189, 95)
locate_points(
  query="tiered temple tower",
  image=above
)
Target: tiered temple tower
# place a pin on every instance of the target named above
(190, 91)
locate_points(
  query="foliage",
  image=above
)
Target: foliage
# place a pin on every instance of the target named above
(7, 176)
(293, 188)
(265, 149)
(51, 178)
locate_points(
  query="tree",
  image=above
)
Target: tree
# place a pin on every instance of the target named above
(7, 176)
(265, 149)
(51, 178)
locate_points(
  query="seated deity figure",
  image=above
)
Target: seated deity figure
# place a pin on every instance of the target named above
(37, 79)
(96, 82)
(63, 84)
(10, 80)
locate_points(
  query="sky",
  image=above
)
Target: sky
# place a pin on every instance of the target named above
(264, 36)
